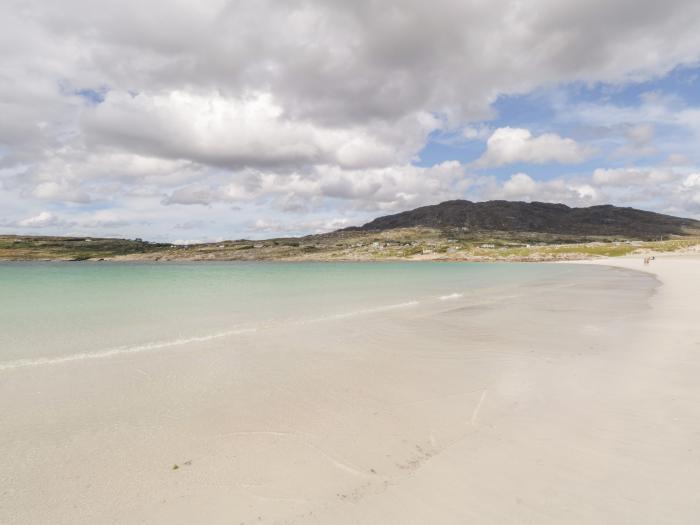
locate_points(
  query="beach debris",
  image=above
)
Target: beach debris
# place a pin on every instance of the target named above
(185, 463)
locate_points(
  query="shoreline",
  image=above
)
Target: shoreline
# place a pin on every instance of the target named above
(564, 259)
(392, 245)
(429, 415)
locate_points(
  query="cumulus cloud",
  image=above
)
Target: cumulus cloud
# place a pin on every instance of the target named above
(194, 194)
(639, 141)
(690, 193)
(74, 175)
(638, 121)
(641, 134)
(667, 190)
(266, 226)
(298, 105)
(520, 186)
(647, 177)
(692, 181)
(510, 145)
(248, 131)
(59, 191)
(390, 188)
(41, 220)
(476, 132)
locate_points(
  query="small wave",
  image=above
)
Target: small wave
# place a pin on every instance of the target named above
(354, 313)
(157, 345)
(451, 296)
(23, 363)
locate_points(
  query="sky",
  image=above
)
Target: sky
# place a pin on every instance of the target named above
(184, 120)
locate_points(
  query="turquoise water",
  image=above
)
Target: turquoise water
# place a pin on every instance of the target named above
(52, 311)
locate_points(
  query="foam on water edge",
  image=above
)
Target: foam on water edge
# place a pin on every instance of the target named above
(101, 354)
(158, 345)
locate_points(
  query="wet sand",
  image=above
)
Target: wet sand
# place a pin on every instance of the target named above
(561, 402)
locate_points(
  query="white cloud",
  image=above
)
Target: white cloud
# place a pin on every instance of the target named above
(248, 131)
(390, 188)
(692, 181)
(510, 145)
(194, 194)
(690, 193)
(75, 176)
(667, 190)
(647, 177)
(42, 220)
(639, 141)
(677, 159)
(301, 105)
(59, 191)
(296, 227)
(639, 121)
(520, 186)
(476, 132)
(641, 134)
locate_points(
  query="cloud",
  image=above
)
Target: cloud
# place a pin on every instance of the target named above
(690, 193)
(194, 194)
(296, 227)
(641, 134)
(41, 220)
(638, 119)
(520, 186)
(76, 176)
(692, 181)
(390, 188)
(476, 132)
(60, 192)
(639, 142)
(511, 145)
(667, 190)
(301, 106)
(248, 131)
(647, 177)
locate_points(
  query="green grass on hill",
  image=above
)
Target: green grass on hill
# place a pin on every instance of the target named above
(410, 243)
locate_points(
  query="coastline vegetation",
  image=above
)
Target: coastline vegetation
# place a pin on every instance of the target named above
(23, 248)
(351, 245)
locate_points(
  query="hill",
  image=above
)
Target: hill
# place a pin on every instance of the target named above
(539, 217)
(453, 230)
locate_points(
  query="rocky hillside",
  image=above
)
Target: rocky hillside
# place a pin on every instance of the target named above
(541, 217)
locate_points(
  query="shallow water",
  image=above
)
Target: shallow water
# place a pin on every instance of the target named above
(355, 379)
(53, 312)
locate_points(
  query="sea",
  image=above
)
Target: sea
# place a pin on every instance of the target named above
(60, 311)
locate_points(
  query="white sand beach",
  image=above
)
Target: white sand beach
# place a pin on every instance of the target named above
(573, 403)
(349, 263)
